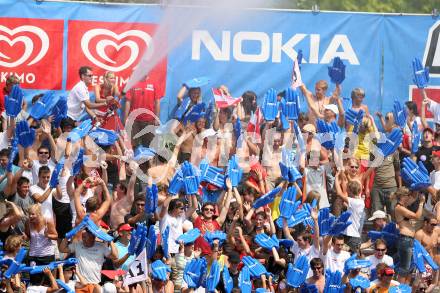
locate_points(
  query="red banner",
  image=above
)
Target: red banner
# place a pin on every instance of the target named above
(416, 96)
(32, 49)
(110, 46)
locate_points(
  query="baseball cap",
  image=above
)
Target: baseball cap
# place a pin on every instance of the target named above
(378, 215)
(125, 227)
(103, 225)
(436, 153)
(333, 108)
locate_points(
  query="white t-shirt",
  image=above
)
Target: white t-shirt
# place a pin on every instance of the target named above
(46, 206)
(62, 183)
(434, 108)
(36, 165)
(386, 259)
(310, 253)
(82, 199)
(36, 289)
(176, 229)
(75, 100)
(90, 259)
(356, 206)
(315, 180)
(335, 261)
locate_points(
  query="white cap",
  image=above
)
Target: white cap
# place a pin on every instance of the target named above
(333, 108)
(378, 215)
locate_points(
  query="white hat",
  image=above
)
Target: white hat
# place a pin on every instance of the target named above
(108, 288)
(333, 108)
(378, 215)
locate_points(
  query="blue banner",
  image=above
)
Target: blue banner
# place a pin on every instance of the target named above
(253, 52)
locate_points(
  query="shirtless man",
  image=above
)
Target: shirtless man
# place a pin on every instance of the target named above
(429, 237)
(318, 278)
(357, 96)
(317, 101)
(123, 199)
(186, 149)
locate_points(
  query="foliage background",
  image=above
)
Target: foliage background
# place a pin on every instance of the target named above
(393, 6)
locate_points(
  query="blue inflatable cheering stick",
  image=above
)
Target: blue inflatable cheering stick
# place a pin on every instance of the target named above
(421, 75)
(336, 72)
(14, 101)
(270, 105)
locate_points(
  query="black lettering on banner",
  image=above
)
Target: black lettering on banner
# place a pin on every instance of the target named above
(140, 270)
(431, 48)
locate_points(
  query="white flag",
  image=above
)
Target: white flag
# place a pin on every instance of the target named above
(138, 270)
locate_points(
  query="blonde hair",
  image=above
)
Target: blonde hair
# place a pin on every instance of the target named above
(13, 243)
(106, 81)
(354, 188)
(357, 92)
(322, 84)
(36, 209)
(400, 192)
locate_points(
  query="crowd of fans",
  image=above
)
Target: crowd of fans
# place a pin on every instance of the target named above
(227, 196)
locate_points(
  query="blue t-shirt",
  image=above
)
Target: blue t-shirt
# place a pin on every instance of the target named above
(123, 250)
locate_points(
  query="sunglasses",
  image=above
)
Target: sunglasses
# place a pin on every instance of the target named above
(381, 250)
(316, 268)
(88, 75)
(180, 208)
(208, 210)
(354, 167)
(43, 153)
(140, 204)
(433, 224)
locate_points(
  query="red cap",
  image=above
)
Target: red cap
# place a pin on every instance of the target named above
(436, 153)
(125, 227)
(103, 225)
(112, 274)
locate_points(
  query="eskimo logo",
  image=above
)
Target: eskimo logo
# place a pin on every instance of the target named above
(28, 41)
(431, 57)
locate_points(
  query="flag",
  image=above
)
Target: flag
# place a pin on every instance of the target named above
(138, 270)
(296, 75)
(253, 128)
(224, 101)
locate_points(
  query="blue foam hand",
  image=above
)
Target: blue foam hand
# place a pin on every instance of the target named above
(103, 137)
(393, 141)
(353, 264)
(291, 108)
(227, 280)
(336, 72)
(152, 241)
(237, 129)
(288, 203)
(298, 217)
(52, 266)
(151, 199)
(14, 101)
(359, 282)
(256, 269)
(77, 165)
(133, 240)
(142, 239)
(215, 235)
(77, 228)
(24, 134)
(354, 118)
(64, 286)
(421, 75)
(55, 178)
(327, 133)
(59, 111)
(415, 175)
(244, 280)
(402, 288)
(266, 242)
(16, 264)
(181, 110)
(324, 221)
(197, 82)
(374, 235)
(189, 237)
(309, 288)
(417, 258)
(340, 224)
(426, 256)
(95, 230)
(43, 106)
(159, 270)
(234, 171)
(297, 274)
(284, 122)
(299, 137)
(80, 131)
(416, 137)
(399, 114)
(333, 282)
(12, 154)
(270, 105)
(176, 183)
(214, 277)
(266, 198)
(190, 178)
(195, 113)
(192, 273)
(212, 174)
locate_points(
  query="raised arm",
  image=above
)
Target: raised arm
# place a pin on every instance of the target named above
(105, 205)
(224, 211)
(343, 195)
(191, 210)
(404, 212)
(425, 102)
(310, 103)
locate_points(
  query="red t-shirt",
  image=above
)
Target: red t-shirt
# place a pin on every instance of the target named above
(3, 93)
(143, 95)
(204, 226)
